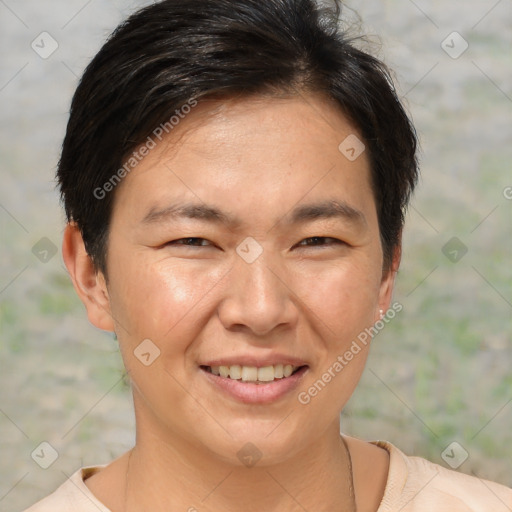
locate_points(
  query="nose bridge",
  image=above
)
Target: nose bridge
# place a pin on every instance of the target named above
(261, 278)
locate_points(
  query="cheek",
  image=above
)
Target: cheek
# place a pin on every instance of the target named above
(342, 298)
(342, 294)
(159, 299)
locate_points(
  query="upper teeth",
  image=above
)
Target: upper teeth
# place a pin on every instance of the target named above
(254, 374)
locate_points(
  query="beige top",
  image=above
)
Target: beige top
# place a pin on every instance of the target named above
(413, 485)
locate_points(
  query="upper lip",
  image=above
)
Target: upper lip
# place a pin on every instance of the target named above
(259, 362)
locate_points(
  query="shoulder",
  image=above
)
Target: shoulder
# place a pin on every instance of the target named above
(73, 494)
(416, 485)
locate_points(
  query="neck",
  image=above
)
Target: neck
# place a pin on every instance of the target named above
(170, 474)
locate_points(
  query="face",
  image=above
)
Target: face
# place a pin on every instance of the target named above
(249, 241)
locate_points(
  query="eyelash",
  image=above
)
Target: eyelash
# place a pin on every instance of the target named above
(336, 241)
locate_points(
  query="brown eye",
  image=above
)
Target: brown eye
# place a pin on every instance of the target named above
(189, 241)
(317, 241)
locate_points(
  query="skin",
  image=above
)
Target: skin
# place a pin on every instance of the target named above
(256, 159)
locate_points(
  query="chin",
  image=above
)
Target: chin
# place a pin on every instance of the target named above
(264, 443)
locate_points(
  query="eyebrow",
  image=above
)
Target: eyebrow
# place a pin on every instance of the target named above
(328, 209)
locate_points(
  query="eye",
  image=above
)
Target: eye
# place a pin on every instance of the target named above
(330, 241)
(316, 241)
(189, 241)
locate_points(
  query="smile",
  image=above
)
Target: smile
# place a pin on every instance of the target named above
(252, 373)
(255, 384)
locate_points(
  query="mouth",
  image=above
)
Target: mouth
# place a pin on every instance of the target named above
(255, 380)
(254, 374)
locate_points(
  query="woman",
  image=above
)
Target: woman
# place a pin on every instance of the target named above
(235, 176)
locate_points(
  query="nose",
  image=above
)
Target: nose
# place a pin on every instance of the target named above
(259, 298)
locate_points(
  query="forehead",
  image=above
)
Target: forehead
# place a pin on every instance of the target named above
(253, 153)
(242, 125)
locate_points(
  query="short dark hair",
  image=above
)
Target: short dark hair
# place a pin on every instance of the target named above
(177, 51)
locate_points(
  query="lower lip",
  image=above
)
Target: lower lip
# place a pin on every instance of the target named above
(257, 393)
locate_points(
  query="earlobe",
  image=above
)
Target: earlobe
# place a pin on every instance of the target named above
(388, 283)
(89, 284)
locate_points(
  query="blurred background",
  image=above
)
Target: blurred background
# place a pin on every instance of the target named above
(438, 383)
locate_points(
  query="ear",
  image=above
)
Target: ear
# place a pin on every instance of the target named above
(388, 280)
(90, 285)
